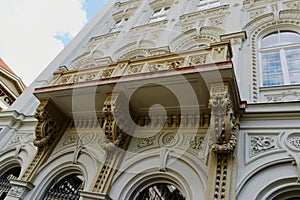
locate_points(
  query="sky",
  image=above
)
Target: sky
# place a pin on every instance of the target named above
(33, 32)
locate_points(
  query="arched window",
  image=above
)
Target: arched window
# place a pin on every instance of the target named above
(4, 180)
(280, 58)
(65, 188)
(160, 191)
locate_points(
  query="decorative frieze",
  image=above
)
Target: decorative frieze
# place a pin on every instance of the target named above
(290, 14)
(292, 5)
(216, 21)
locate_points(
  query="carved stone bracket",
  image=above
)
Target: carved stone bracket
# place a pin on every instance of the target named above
(117, 131)
(51, 121)
(51, 124)
(222, 140)
(116, 127)
(223, 123)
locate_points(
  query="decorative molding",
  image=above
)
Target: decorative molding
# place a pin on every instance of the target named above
(283, 96)
(173, 121)
(261, 144)
(145, 142)
(168, 139)
(195, 142)
(222, 178)
(293, 142)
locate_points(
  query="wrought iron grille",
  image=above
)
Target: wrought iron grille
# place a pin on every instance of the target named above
(67, 188)
(160, 192)
(4, 180)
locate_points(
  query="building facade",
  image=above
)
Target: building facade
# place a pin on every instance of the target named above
(11, 86)
(173, 99)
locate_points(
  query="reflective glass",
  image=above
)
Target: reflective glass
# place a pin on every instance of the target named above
(272, 80)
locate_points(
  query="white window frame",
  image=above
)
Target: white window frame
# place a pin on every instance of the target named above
(118, 25)
(159, 14)
(207, 4)
(283, 61)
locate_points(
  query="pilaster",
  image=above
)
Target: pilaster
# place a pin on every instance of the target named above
(222, 141)
(117, 136)
(50, 127)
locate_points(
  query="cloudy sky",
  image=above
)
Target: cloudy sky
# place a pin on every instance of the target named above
(33, 32)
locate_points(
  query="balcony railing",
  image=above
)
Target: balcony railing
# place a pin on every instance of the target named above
(201, 58)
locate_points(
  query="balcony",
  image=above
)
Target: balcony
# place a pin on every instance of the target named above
(160, 79)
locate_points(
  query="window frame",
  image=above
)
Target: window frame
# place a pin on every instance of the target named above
(159, 14)
(281, 49)
(119, 24)
(207, 4)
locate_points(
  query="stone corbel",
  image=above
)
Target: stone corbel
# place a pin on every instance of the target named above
(116, 126)
(117, 129)
(223, 123)
(51, 124)
(51, 121)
